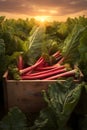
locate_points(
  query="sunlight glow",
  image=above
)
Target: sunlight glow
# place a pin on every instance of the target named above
(42, 18)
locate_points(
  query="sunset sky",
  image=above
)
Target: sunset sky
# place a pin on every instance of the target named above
(50, 9)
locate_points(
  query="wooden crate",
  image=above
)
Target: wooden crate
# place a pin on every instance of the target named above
(26, 94)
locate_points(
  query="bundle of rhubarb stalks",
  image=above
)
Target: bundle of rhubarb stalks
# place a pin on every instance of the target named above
(42, 70)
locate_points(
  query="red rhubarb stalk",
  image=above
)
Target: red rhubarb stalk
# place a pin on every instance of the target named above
(56, 54)
(20, 62)
(40, 76)
(48, 67)
(30, 68)
(61, 60)
(47, 71)
(43, 63)
(65, 74)
(45, 68)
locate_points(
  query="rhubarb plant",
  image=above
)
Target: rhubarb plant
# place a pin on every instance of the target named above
(14, 120)
(71, 43)
(34, 43)
(61, 97)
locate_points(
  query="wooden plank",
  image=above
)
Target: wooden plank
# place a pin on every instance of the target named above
(26, 94)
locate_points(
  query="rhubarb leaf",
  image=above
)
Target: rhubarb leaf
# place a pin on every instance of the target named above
(61, 97)
(83, 54)
(70, 47)
(35, 42)
(2, 47)
(14, 120)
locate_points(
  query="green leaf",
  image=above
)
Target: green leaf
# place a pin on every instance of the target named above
(83, 53)
(70, 48)
(63, 29)
(14, 120)
(2, 47)
(61, 97)
(35, 44)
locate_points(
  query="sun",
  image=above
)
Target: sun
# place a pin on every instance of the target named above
(41, 18)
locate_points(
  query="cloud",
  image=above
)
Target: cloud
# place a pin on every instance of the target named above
(43, 7)
(14, 6)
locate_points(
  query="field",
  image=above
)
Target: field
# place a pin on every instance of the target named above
(32, 50)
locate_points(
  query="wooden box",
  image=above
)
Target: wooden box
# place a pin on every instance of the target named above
(26, 94)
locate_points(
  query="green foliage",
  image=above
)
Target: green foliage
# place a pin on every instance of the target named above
(14, 120)
(25, 36)
(70, 47)
(2, 19)
(13, 37)
(53, 34)
(12, 43)
(51, 46)
(7, 61)
(22, 28)
(63, 29)
(61, 97)
(39, 40)
(82, 20)
(35, 43)
(13, 72)
(83, 53)
(15, 33)
(3, 62)
(2, 47)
